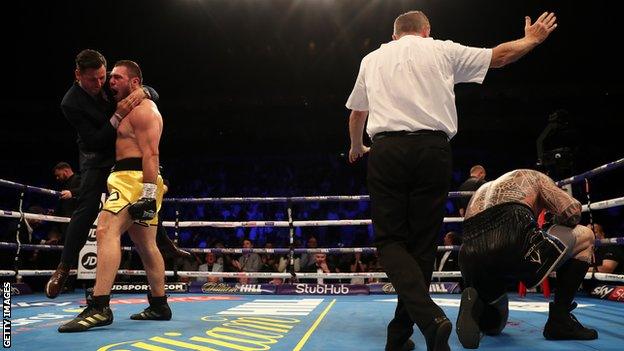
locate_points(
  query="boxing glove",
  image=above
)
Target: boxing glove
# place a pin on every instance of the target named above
(145, 208)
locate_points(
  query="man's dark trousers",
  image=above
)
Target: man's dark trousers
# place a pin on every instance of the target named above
(92, 185)
(408, 182)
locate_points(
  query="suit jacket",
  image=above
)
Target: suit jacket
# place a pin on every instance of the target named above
(90, 116)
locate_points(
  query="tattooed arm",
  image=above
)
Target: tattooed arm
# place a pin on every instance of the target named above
(566, 209)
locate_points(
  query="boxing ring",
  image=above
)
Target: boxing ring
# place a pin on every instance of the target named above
(296, 315)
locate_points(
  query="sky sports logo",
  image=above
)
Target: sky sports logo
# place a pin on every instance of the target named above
(6, 314)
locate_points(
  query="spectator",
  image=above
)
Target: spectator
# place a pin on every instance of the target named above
(374, 266)
(307, 258)
(609, 258)
(357, 266)
(187, 263)
(320, 265)
(249, 262)
(269, 260)
(213, 264)
(447, 260)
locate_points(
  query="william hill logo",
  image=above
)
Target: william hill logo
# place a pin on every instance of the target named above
(219, 288)
(251, 288)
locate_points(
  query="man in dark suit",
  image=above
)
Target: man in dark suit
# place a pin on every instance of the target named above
(89, 108)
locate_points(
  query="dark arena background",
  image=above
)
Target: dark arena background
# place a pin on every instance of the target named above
(252, 94)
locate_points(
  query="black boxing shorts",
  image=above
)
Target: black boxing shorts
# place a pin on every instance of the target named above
(503, 244)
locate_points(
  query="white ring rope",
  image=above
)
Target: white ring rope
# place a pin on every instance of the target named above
(28, 188)
(277, 251)
(605, 204)
(48, 218)
(33, 273)
(607, 277)
(332, 198)
(589, 174)
(282, 224)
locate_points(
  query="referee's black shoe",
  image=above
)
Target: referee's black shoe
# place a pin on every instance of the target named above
(437, 334)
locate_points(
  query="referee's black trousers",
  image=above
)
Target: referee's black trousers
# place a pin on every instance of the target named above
(408, 181)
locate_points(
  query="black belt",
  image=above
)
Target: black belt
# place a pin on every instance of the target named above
(131, 164)
(382, 135)
(128, 164)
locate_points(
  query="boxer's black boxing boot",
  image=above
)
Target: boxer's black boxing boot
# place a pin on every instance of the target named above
(470, 310)
(96, 314)
(158, 310)
(494, 317)
(562, 324)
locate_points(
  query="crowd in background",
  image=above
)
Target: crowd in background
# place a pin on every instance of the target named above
(238, 177)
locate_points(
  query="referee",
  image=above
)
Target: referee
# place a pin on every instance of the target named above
(405, 88)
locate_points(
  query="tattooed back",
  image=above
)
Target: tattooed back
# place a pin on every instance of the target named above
(529, 187)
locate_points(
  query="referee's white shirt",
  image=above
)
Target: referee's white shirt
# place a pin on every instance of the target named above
(407, 84)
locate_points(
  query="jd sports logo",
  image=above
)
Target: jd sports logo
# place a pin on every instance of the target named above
(89, 261)
(92, 236)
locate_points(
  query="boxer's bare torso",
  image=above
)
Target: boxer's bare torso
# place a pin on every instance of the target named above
(528, 187)
(127, 144)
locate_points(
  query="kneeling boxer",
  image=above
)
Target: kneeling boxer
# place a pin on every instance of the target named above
(502, 242)
(136, 191)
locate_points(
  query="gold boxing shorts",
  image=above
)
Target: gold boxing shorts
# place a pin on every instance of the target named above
(125, 187)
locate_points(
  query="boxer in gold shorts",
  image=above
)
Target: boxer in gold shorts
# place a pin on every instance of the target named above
(125, 186)
(136, 191)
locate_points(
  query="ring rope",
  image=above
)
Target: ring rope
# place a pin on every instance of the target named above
(249, 224)
(278, 251)
(601, 169)
(29, 188)
(284, 199)
(331, 250)
(196, 274)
